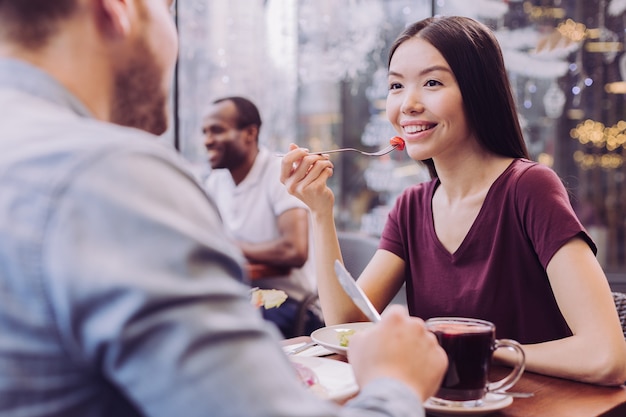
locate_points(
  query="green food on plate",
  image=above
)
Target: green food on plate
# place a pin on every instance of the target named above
(344, 336)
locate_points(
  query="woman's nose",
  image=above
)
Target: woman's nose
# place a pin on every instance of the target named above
(411, 104)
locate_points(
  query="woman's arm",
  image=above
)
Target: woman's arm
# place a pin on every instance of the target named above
(305, 177)
(382, 278)
(596, 352)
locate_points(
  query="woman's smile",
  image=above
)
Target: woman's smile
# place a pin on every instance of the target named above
(417, 128)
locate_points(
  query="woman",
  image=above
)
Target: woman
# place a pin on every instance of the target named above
(493, 235)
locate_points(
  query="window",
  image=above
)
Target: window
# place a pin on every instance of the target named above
(317, 71)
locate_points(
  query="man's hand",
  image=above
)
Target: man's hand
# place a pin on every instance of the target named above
(399, 347)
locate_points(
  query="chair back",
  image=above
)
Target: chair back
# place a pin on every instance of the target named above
(620, 305)
(357, 250)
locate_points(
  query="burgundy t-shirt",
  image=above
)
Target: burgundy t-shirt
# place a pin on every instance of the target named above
(499, 271)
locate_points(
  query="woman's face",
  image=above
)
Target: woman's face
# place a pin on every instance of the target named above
(424, 103)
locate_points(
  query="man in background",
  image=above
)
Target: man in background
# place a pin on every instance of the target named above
(119, 292)
(270, 226)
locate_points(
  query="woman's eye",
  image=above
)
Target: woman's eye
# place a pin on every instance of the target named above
(432, 83)
(395, 86)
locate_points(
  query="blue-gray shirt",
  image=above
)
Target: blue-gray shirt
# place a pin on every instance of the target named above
(119, 292)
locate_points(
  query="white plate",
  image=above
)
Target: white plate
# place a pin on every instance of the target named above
(335, 377)
(491, 403)
(329, 336)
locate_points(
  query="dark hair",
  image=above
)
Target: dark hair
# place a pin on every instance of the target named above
(30, 23)
(247, 112)
(475, 58)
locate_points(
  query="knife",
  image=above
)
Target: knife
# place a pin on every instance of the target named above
(356, 293)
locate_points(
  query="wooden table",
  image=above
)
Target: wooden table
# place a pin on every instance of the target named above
(562, 397)
(554, 397)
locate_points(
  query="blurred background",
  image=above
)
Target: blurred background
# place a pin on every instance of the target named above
(317, 71)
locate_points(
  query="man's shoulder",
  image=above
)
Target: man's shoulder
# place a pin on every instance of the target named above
(59, 147)
(268, 164)
(59, 131)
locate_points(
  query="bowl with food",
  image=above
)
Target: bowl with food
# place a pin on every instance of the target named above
(337, 338)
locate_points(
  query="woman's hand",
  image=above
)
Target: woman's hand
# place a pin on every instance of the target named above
(305, 176)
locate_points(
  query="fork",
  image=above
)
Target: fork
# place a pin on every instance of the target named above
(380, 152)
(301, 348)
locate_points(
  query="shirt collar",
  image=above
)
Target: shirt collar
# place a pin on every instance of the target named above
(256, 172)
(24, 77)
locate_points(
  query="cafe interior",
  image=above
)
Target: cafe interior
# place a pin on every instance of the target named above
(320, 81)
(318, 72)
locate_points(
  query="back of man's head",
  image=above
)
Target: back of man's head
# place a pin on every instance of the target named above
(30, 23)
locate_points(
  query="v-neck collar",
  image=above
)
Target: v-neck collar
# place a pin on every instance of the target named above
(467, 240)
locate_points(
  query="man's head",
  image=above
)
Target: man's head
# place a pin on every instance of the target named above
(116, 56)
(231, 131)
(143, 78)
(32, 22)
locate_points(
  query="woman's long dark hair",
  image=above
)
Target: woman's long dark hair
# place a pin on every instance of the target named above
(475, 58)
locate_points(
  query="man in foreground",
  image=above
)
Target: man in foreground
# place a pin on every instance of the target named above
(119, 295)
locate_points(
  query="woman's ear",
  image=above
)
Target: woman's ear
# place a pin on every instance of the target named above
(113, 16)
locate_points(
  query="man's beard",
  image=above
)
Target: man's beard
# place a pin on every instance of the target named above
(138, 100)
(230, 158)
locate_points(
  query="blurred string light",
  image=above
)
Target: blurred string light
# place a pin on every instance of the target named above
(573, 31)
(545, 159)
(596, 134)
(606, 161)
(618, 87)
(542, 12)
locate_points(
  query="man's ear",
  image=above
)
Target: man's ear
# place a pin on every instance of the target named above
(252, 131)
(113, 16)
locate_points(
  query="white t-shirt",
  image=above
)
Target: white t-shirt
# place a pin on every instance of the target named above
(250, 211)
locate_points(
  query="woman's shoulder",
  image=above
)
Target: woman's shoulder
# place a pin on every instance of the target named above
(530, 173)
(529, 178)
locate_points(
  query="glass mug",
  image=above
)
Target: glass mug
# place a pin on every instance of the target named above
(469, 344)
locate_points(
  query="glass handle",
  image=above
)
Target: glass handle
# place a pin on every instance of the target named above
(513, 376)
